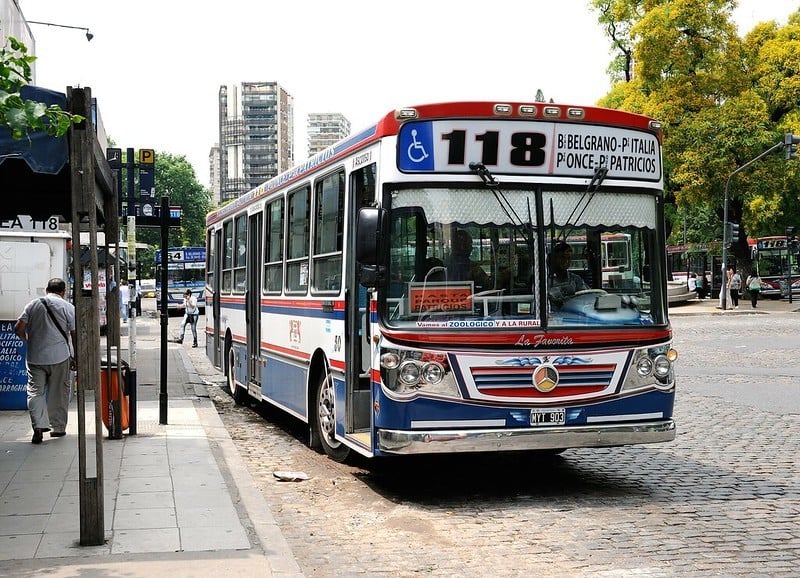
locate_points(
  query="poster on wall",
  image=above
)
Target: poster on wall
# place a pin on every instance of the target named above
(13, 374)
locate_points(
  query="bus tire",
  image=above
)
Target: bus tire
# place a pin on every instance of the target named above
(239, 394)
(325, 420)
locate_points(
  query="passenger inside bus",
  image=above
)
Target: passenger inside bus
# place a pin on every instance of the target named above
(436, 270)
(562, 283)
(460, 267)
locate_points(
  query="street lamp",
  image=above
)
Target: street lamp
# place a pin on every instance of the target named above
(89, 35)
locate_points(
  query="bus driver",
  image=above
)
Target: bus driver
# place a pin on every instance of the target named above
(563, 284)
(460, 267)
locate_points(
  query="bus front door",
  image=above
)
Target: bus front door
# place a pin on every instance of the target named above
(214, 262)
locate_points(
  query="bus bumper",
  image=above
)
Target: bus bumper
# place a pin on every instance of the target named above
(540, 438)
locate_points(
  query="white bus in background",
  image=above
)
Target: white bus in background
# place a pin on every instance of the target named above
(28, 260)
(616, 258)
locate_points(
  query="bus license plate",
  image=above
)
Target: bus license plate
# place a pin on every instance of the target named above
(552, 416)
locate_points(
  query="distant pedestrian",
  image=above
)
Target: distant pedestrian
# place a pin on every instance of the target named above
(46, 325)
(124, 299)
(191, 313)
(753, 283)
(735, 285)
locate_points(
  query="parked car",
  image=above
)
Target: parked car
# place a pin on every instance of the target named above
(148, 288)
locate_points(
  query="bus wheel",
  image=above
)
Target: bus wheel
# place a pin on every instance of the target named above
(325, 418)
(238, 392)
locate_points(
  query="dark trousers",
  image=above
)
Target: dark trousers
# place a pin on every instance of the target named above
(753, 297)
(735, 297)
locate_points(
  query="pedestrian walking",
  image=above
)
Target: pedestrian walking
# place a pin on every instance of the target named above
(753, 283)
(190, 315)
(46, 325)
(735, 285)
(124, 299)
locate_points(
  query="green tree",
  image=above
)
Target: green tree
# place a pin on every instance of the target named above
(722, 99)
(175, 178)
(21, 116)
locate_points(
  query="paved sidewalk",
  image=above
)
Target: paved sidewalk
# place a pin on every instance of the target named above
(711, 307)
(178, 498)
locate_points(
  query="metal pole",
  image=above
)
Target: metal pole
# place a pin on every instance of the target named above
(723, 293)
(163, 397)
(131, 374)
(725, 216)
(788, 266)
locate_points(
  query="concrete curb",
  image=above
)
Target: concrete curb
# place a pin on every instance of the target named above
(247, 497)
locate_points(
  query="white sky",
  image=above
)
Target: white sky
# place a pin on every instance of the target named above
(155, 67)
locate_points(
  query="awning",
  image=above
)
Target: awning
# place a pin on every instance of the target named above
(42, 152)
(34, 171)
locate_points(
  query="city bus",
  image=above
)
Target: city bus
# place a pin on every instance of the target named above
(616, 258)
(186, 269)
(334, 297)
(776, 265)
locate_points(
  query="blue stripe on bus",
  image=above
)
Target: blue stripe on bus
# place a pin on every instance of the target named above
(291, 311)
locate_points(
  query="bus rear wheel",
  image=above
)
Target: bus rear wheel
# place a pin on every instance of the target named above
(325, 418)
(238, 392)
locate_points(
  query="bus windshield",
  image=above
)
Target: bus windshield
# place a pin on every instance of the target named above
(468, 258)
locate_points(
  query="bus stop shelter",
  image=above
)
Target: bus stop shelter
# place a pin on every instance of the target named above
(69, 178)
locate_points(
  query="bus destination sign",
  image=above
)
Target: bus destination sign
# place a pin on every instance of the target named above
(528, 148)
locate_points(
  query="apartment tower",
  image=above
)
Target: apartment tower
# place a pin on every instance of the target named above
(324, 129)
(256, 136)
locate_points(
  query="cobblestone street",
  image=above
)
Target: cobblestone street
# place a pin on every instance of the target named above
(723, 499)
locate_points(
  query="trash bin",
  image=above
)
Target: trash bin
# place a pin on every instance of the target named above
(114, 396)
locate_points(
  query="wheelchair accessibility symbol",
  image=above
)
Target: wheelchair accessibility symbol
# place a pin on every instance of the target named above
(415, 151)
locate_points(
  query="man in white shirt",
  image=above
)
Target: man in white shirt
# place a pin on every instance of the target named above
(46, 325)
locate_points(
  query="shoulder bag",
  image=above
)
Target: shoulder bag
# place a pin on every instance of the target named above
(60, 329)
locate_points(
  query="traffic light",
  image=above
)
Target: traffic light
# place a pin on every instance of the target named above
(790, 143)
(734, 233)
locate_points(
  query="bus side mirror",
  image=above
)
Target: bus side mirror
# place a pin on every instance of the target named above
(369, 235)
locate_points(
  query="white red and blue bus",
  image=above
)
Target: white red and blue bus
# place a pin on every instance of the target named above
(332, 296)
(186, 269)
(616, 258)
(777, 266)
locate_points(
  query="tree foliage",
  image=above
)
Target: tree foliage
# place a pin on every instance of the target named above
(175, 178)
(723, 100)
(21, 116)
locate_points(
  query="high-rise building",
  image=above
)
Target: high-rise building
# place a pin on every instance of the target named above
(213, 166)
(256, 136)
(324, 129)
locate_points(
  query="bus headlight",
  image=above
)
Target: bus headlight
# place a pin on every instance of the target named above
(407, 372)
(652, 367)
(661, 367)
(432, 373)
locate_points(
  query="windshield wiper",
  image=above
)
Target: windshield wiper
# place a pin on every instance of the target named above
(487, 177)
(491, 182)
(598, 177)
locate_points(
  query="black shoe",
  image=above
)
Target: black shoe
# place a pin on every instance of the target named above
(179, 341)
(57, 434)
(194, 344)
(37, 435)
